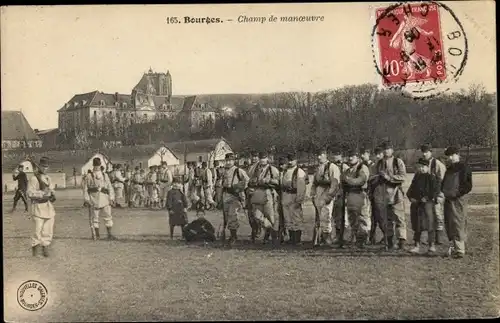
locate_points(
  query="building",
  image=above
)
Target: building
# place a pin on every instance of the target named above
(151, 98)
(48, 137)
(208, 150)
(17, 132)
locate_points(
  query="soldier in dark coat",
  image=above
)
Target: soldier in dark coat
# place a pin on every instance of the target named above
(177, 207)
(199, 230)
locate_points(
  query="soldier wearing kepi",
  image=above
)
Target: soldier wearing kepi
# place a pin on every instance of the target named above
(438, 169)
(339, 210)
(355, 183)
(457, 182)
(254, 224)
(218, 183)
(41, 193)
(376, 217)
(100, 195)
(264, 181)
(323, 191)
(389, 196)
(118, 185)
(207, 186)
(165, 179)
(234, 184)
(293, 189)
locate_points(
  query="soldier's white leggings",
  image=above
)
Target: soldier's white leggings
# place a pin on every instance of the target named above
(105, 212)
(43, 231)
(324, 210)
(292, 212)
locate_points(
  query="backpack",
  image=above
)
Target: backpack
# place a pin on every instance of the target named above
(395, 164)
(433, 166)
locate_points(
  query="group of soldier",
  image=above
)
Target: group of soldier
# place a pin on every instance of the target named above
(348, 191)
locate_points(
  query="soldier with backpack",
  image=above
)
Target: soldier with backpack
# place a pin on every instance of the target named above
(339, 212)
(293, 188)
(376, 217)
(388, 195)
(323, 191)
(438, 169)
(354, 182)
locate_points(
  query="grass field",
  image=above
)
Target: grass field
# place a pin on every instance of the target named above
(145, 276)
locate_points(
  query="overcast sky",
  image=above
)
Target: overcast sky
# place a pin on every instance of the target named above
(51, 53)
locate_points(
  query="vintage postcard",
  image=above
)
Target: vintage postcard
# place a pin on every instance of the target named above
(332, 161)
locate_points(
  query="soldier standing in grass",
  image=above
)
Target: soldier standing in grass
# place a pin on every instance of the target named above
(165, 178)
(439, 169)
(100, 195)
(323, 191)
(423, 193)
(293, 189)
(176, 204)
(339, 209)
(218, 183)
(255, 226)
(22, 185)
(264, 181)
(128, 185)
(389, 196)
(149, 184)
(118, 184)
(207, 186)
(372, 181)
(457, 182)
(41, 193)
(354, 182)
(233, 197)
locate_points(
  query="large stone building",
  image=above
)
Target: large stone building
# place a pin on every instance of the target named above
(150, 99)
(17, 132)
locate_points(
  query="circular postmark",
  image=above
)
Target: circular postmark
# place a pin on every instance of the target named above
(419, 48)
(32, 295)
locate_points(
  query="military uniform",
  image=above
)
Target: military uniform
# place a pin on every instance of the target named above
(234, 184)
(293, 189)
(389, 197)
(40, 192)
(323, 191)
(149, 185)
(137, 183)
(218, 186)
(128, 186)
(355, 183)
(264, 180)
(207, 186)
(118, 185)
(254, 224)
(165, 182)
(100, 195)
(339, 207)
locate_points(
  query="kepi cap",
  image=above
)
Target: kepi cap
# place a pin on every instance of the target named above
(262, 155)
(451, 151)
(291, 156)
(96, 162)
(387, 145)
(423, 161)
(44, 162)
(229, 156)
(425, 148)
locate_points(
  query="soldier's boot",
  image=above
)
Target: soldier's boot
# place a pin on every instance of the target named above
(223, 235)
(110, 236)
(401, 244)
(232, 238)
(34, 250)
(390, 242)
(291, 237)
(361, 241)
(416, 247)
(438, 236)
(338, 238)
(371, 239)
(282, 236)
(253, 235)
(274, 237)
(267, 235)
(45, 251)
(298, 237)
(97, 236)
(324, 238)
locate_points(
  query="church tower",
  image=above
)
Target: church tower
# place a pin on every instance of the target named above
(165, 84)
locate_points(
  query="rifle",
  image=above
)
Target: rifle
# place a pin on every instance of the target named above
(92, 229)
(316, 233)
(343, 205)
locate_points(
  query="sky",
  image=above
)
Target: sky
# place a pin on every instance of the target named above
(50, 53)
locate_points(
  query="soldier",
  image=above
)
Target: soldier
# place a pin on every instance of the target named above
(197, 193)
(165, 178)
(439, 169)
(234, 184)
(457, 182)
(207, 185)
(282, 163)
(376, 217)
(128, 185)
(339, 209)
(149, 185)
(254, 224)
(354, 182)
(218, 184)
(41, 193)
(118, 185)
(323, 191)
(389, 197)
(22, 185)
(100, 195)
(264, 181)
(137, 187)
(293, 189)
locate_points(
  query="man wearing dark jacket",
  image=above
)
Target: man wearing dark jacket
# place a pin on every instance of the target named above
(22, 185)
(457, 182)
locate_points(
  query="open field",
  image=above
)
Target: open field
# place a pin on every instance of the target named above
(146, 276)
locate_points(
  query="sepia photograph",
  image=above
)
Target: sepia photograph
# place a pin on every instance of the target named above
(278, 161)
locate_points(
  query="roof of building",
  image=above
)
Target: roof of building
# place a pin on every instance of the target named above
(46, 131)
(16, 127)
(195, 146)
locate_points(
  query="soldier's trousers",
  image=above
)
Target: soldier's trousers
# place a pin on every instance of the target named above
(20, 195)
(105, 212)
(439, 212)
(267, 214)
(359, 214)
(208, 196)
(137, 193)
(394, 214)
(324, 210)
(197, 194)
(232, 205)
(377, 219)
(455, 221)
(293, 215)
(218, 195)
(339, 209)
(119, 197)
(164, 188)
(44, 229)
(423, 218)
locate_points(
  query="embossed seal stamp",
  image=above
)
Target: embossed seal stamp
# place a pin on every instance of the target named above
(32, 295)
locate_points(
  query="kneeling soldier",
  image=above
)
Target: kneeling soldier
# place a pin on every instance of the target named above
(99, 194)
(355, 183)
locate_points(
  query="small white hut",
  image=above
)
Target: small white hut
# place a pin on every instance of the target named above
(163, 154)
(27, 166)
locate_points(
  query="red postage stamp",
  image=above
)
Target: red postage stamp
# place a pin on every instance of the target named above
(410, 44)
